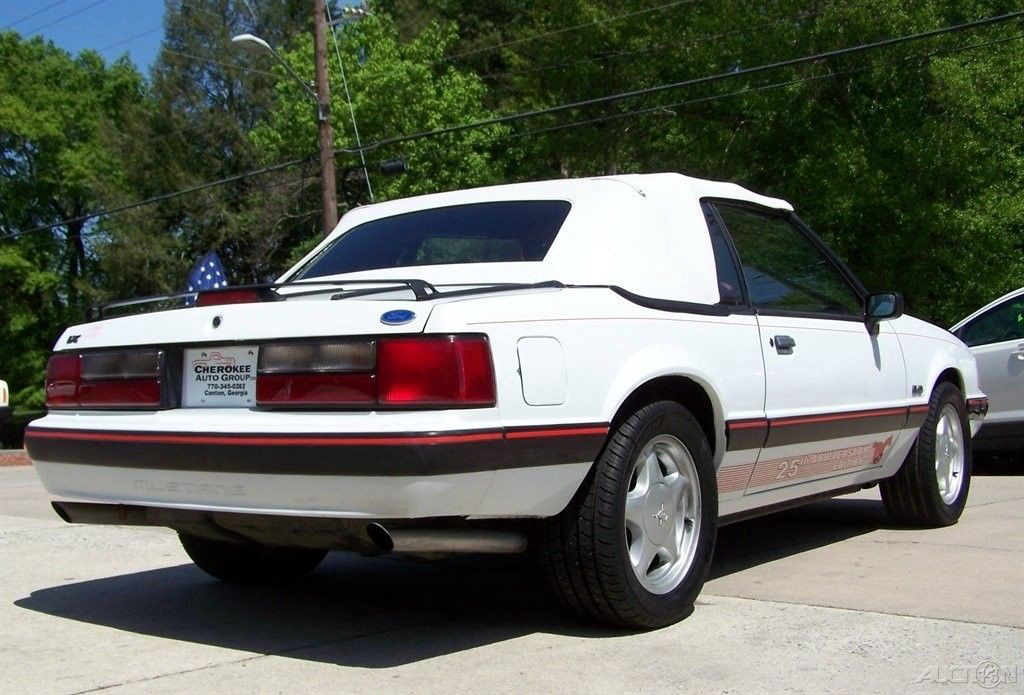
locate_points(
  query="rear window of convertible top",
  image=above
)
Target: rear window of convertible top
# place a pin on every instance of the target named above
(496, 232)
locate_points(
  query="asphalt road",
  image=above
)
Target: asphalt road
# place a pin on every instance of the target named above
(827, 598)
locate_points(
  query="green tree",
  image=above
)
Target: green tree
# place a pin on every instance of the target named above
(63, 121)
(396, 88)
(209, 95)
(907, 159)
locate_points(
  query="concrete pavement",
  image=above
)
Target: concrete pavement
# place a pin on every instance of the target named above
(827, 598)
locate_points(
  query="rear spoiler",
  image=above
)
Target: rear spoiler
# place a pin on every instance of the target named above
(421, 290)
(267, 291)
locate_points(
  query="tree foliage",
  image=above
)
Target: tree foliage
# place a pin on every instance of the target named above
(909, 160)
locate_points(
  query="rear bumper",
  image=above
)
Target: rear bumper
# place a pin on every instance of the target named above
(314, 454)
(495, 472)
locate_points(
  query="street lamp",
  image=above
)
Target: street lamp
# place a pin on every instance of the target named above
(256, 45)
(321, 97)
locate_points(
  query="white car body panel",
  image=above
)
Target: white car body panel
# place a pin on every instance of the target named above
(865, 373)
(566, 357)
(1000, 370)
(1002, 366)
(928, 351)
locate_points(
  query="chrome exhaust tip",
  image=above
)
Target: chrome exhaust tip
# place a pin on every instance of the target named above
(425, 540)
(380, 537)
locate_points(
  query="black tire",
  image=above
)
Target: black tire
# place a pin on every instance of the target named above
(584, 548)
(239, 563)
(912, 495)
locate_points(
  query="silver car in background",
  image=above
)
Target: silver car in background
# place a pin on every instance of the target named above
(995, 336)
(5, 406)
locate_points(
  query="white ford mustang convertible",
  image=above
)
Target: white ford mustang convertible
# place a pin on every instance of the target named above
(604, 370)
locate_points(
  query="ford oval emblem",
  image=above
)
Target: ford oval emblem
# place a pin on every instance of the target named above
(397, 317)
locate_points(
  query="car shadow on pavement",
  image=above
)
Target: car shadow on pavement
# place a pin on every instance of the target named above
(384, 612)
(776, 536)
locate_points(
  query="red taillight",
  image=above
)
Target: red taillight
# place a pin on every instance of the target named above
(127, 379)
(214, 297)
(435, 371)
(63, 373)
(129, 393)
(314, 389)
(431, 371)
(336, 373)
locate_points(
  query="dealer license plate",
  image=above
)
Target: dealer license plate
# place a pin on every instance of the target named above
(222, 377)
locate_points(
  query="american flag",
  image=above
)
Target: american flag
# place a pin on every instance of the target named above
(207, 274)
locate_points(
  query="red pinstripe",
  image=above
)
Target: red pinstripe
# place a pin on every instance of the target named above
(832, 417)
(746, 424)
(567, 432)
(299, 440)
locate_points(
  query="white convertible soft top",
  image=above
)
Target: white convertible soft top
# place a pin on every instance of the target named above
(642, 232)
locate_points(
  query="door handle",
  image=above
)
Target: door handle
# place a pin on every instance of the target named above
(784, 344)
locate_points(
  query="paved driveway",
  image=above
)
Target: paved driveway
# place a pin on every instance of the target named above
(827, 598)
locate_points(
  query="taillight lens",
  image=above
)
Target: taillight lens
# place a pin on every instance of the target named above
(435, 371)
(63, 374)
(429, 371)
(215, 297)
(314, 389)
(127, 393)
(137, 364)
(126, 379)
(312, 374)
(297, 358)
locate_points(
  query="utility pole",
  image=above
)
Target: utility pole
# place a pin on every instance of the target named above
(329, 195)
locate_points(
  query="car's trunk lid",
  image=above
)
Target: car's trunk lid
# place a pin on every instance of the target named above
(254, 322)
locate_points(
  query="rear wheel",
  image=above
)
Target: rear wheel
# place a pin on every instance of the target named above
(250, 564)
(930, 488)
(634, 546)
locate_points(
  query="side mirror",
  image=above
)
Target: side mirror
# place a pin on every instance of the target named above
(880, 307)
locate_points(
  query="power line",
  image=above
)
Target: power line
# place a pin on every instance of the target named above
(203, 59)
(348, 99)
(714, 97)
(688, 102)
(301, 180)
(707, 79)
(161, 198)
(554, 109)
(80, 10)
(740, 92)
(41, 10)
(680, 104)
(129, 39)
(134, 40)
(563, 30)
(656, 47)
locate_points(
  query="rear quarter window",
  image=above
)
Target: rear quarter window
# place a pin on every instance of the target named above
(497, 232)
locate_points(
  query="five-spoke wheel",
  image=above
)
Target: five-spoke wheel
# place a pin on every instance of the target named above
(634, 546)
(949, 454)
(662, 514)
(930, 488)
